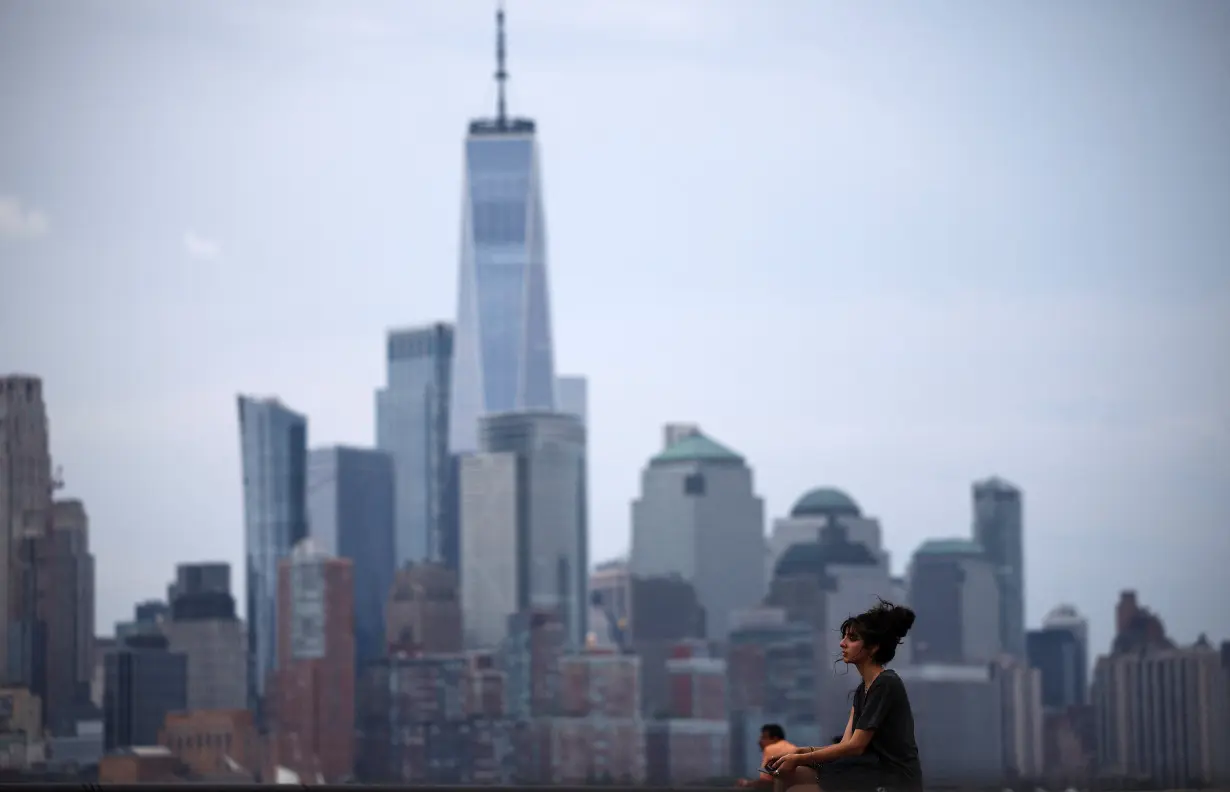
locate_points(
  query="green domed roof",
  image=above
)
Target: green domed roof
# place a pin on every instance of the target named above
(696, 448)
(826, 502)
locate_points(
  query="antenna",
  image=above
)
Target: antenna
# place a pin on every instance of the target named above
(501, 76)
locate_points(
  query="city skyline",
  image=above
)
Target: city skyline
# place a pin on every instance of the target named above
(1092, 313)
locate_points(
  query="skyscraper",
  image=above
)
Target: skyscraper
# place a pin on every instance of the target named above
(412, 419)
(350, 515)
(955, 592)
(504, 357)
(66, 610)
(998, 527)
(25, 503)
(699, 517)
(523, 525)
(273, 443)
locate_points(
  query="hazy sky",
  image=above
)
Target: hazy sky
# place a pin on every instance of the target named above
(889, 247)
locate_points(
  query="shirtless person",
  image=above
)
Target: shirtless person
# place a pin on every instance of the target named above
(773, 743)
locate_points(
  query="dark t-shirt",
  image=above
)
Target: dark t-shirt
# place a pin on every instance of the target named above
(884, 710)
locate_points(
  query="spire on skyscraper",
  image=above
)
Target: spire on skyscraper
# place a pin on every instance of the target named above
(501, 75)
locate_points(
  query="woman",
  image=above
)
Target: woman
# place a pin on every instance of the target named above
(881, 724)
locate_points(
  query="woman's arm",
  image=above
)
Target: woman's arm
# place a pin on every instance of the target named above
(857, 743)
(849, 732)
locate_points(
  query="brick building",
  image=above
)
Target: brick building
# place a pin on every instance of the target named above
(315, 678)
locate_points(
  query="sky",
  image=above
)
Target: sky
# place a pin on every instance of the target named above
(889, 248)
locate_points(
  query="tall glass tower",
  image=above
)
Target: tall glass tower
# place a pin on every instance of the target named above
(273, 448)
(503, 356)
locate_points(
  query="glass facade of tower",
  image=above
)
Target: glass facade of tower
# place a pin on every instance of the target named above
(273, 444)
(504, 358)
(412, 420)
(998, 527)
(351, 515)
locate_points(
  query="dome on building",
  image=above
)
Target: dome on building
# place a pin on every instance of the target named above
(825, 502)
(1063, 616)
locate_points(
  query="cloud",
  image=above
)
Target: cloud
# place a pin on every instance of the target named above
(21, 222)
(200, 248)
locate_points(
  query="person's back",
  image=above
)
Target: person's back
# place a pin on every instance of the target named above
(885, 709)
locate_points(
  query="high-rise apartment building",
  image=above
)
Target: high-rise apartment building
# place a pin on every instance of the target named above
(504, 359)
(315, 715)
(999, 529)
(412, 421)
(25, 504)
(351, 515)
(523, 524)
(203, 626)
(954, 590)
(699, 517)
(273, 445)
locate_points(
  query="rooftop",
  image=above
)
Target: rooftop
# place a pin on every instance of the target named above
(825, 502)
(949, 547)
(696, 448)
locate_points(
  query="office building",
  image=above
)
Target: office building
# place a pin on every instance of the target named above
(65, 578)
(145, 682)
(1067, 617)
(504, 358)
(699, 517)
(999, 529)
(1143, 701)
(954, 591)
(958, 722)
(1146, 691)
(273, 445)
(25, 508)
(817, 509)
(208, 578)
(203, 626)
(523, 525)
(412, 420)
(1023, 718)
(351, 515)
(1059, 657)
(316, 664)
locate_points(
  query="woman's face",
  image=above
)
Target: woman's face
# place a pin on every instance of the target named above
(852, 649)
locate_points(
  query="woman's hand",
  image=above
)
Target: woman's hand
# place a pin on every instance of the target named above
(785, 764)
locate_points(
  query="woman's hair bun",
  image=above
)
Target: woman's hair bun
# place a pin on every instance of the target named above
(900, 619)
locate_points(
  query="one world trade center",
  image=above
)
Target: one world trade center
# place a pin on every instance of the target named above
(503, 358)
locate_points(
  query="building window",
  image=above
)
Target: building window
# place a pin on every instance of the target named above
(694, 484)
